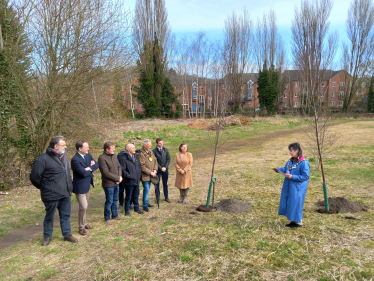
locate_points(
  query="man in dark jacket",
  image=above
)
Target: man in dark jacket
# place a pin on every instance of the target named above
(51, 175)
(83, 166)
(111, 176)
(163, 160)
(131, 173)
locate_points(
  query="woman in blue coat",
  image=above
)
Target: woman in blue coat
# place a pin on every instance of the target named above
(294, 186)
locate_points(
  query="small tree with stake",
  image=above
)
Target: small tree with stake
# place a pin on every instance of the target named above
(313, 53)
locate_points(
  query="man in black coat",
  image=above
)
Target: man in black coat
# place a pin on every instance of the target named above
(83, 166)
(131, 173)
(163, 160)
(51, 175)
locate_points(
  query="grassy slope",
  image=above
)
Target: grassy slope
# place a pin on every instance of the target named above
(171, 243)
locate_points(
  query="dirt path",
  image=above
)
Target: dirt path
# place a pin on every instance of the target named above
(28, 232)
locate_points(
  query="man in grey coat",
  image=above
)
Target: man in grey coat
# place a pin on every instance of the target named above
(163, 160)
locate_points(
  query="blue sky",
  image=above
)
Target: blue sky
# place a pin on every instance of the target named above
(187, 17)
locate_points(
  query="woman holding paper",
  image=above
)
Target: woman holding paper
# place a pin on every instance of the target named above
(296, 172)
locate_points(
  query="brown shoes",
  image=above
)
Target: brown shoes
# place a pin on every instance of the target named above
(108, 222)
(46, 241)
(118, 218)
(82, 232)
(71, 239)
(168, 200)
(88, 227)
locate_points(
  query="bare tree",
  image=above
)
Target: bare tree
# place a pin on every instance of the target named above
(313, 53)
(269, 49)
(236, 54)
(359, 48)
(150, 25)
(74, 41)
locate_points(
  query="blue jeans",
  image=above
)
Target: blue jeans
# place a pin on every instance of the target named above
(64, 208)
(132, 195)
(111, 198)
(146, 188)
(165, 177)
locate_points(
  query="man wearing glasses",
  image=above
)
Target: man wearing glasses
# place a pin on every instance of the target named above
(51, 175)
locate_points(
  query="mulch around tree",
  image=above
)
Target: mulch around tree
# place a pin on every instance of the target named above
(228, 206)
(340, 205)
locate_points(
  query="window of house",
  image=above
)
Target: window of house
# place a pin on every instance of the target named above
(333, 94)
(341, 95)
(201, 87)
(341, 103)
(249, 104)
(241, 87)
(295, 95)
(223, 86)
(333, 84)
(184, 88)
(133, 106)
(333, 103)
(123, 97)
(176, 88)
(185, 106)
(112, 98)
(341, 84)
(323, 84)
(201, 98)
(285, 95)
(194, 88)
(295, 105)
(362, 95)
(123, 88)
(296, 84)
(285, 104)
(286, 86)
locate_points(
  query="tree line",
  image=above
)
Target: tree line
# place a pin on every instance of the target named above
(57, 57)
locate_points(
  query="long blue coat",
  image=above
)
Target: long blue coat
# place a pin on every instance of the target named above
(294, 191)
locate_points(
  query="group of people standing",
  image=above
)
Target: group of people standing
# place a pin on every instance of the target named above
(121, 176)
(123, 173)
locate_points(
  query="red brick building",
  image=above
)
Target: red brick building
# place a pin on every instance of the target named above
(206, 95)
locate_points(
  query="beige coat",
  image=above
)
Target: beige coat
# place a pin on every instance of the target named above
(183, 163)
(146, 164)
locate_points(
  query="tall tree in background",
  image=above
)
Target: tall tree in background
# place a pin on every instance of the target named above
(236, 54)
(269, 52)
(268, 89)
(359, 48)
(268, 45)
(313, 52)
(151, 39)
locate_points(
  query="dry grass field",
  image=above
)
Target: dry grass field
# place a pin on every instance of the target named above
(169, 243)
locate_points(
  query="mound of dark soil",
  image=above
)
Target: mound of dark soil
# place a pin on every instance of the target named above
(202, 208)
(232, 206)
(340, 205)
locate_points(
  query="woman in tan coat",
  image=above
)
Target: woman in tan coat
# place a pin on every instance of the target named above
(183, 163)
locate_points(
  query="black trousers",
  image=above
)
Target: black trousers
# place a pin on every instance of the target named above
(121, 197)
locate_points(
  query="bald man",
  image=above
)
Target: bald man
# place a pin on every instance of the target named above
(131, 173)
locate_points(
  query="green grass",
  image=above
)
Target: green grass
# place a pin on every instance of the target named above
(171, 243)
